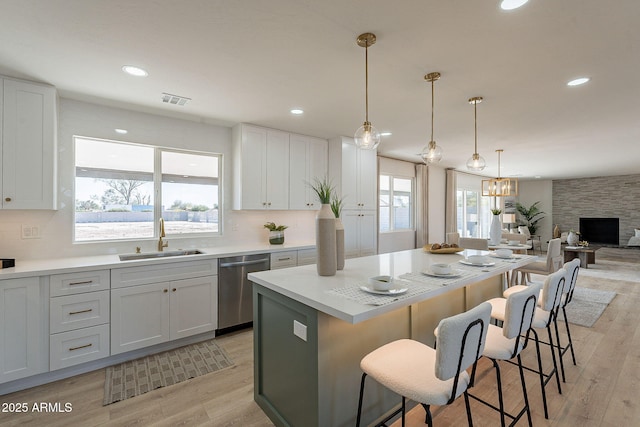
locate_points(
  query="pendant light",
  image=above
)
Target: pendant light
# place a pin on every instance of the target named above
(500, 187)
(476, 162)
(432, 153)
(366, 137)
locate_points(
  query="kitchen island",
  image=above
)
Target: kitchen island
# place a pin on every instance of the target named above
(310, 332)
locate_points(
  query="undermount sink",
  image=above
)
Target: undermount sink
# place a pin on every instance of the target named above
(165, 254)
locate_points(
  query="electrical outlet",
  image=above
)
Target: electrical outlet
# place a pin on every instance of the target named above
(30, 232)
(300, 330)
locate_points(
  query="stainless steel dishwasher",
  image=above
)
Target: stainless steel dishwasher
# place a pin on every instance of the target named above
(235, 301)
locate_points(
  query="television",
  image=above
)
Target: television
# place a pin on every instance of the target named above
(600, 230)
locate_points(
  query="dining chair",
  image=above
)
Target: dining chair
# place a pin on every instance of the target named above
(453, 238)
(426, 375)
(551, 264)
(473, 243)
(532, 241)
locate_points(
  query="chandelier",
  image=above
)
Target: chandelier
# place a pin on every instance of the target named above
(500, 187)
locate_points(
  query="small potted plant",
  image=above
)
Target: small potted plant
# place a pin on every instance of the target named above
(276, 233)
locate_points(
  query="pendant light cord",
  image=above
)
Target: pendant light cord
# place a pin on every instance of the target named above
(475, 122)
(432, 104)
(366, 82)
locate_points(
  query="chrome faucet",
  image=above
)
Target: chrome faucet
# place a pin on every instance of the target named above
(161, 243)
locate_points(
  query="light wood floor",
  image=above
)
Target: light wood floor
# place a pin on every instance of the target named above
(601, 391)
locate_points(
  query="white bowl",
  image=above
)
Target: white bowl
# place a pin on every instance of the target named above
(477, 259)
(514, 242)
(504, 253)
(381, 283)
(440, 268)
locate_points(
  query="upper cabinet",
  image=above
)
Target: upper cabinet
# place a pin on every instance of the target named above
(261, 168)
(307, 162)
(272, 169)
(357, 172)
(28, 141)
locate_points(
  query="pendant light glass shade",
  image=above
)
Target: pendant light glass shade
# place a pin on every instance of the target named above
(367, 136)
(432, 153)
(476, 162)
(500, 187)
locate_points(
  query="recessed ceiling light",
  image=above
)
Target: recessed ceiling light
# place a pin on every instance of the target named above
(135, 71)
(512, 4)
(297, 111)
(579, 81)
(385, 134)
(121, 131)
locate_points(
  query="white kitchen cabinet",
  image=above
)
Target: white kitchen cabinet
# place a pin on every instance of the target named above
(307, 162)
(24, 328)
(307, 256)
(261, 168)
(28, 143)
(284, 259)
(359, 176)
(360, 233)
(154, 313)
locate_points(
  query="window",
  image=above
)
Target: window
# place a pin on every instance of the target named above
(396, 203)
(122, 190)
(473, 214)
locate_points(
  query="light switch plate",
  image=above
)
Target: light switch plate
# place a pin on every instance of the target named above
(300, 330)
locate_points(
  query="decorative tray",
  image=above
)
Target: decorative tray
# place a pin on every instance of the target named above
(427, 248)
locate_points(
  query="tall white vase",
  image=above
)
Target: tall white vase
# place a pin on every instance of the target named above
(326, 258)
(340, 244)
(495, 232)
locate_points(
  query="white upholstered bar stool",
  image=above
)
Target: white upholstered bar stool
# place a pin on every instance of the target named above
(571, 277)
(545, 316)
(506, 343)
(474, 243)
(431, 377)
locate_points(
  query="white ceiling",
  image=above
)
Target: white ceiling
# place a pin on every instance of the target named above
(253, 60)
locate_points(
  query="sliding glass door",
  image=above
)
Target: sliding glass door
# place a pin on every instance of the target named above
(473, 213)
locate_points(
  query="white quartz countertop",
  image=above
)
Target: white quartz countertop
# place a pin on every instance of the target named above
(303, 284)
(43, 267)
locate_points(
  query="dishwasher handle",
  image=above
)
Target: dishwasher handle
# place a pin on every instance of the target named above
(243, 263)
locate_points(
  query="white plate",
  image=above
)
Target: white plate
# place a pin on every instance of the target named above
(494, 255)
(397, 291)
(485, 264)
(454, 273)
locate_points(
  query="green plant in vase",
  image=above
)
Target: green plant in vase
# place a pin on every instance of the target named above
(496, 211)
(531, 215)
(323, 189)
(276, 233)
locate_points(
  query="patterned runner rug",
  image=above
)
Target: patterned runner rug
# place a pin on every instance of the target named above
(139, 376)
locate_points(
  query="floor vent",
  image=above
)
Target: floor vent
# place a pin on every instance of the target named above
(174, 99)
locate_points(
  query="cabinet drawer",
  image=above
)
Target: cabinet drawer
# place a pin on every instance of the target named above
(76, 283)
(75, 347)
(166, 271)
(78, 311)
(307, 256)
(284, 259)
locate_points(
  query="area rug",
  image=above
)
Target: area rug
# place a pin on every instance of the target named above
(142, 375)
(587, 306)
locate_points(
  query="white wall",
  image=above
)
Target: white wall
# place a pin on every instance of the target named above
(530, 192)
(79, 118)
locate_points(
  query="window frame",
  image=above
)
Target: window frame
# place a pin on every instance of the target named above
(157, 192)
(412, 218)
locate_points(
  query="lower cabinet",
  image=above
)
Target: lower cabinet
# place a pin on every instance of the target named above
(23, 328)
(150, 314)
(360, 235)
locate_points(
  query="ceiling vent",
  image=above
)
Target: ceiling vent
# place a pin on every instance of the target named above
(174, 99)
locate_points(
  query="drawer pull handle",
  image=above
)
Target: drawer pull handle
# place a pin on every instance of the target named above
(81, 346)
(88, 310)
(86, 282)
(284, 259)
